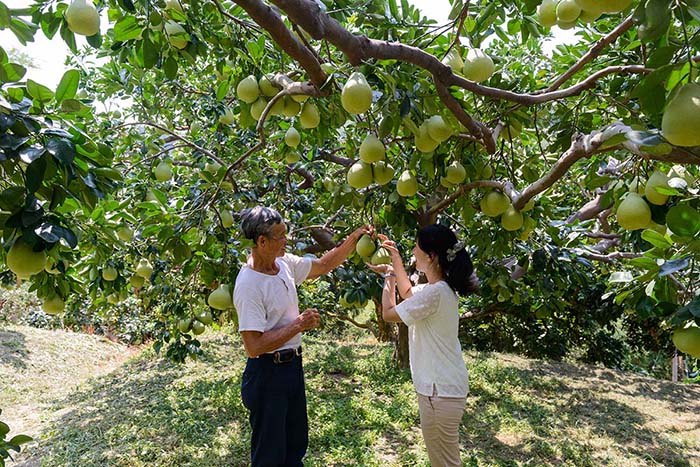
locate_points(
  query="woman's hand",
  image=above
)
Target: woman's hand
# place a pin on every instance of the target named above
(381, 268)
(389, 245)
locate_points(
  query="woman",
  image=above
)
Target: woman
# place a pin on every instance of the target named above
(431, 313)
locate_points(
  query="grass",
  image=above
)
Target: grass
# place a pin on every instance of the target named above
(140, 410)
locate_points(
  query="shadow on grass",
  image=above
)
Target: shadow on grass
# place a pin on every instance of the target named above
(13, 349)
(521, 416)
(152, 411)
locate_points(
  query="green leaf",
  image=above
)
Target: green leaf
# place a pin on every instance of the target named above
(11, 72)
(68, 86)
(683, 220)
(657, 17)
(656, 239)
(170, 68)
(39, 92)
(151, 53)
(127, 29)
(62, 149)
(645, 263)
(222, 89)
(35, 174)
(20, 439)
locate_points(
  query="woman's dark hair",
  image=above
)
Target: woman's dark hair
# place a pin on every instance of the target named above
(456, 265)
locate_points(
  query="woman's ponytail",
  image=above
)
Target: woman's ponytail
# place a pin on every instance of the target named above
(453, 257)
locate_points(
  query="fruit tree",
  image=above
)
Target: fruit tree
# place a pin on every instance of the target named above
(560, 169)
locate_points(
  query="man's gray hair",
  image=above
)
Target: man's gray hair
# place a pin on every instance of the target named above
(259, 221)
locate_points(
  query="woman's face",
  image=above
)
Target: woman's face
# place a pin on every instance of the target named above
(423, 259)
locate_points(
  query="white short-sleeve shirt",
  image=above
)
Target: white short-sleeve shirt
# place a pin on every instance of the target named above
(264, 302)
(432, 317)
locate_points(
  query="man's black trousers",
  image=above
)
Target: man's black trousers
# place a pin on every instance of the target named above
(274, 394)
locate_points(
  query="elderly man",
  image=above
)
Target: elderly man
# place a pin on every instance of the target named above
(265, 297)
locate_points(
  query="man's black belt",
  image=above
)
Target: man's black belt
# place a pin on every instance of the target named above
(283, 356)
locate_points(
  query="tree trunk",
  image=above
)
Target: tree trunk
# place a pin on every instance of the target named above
(385, 331)
(401, 347)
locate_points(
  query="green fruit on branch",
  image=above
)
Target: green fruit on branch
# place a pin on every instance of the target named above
(407, 185)
(173, 5)
(278, 107)
(24, 261)
(226, 218)
(454, 60)
(220, 299)
(163, 172)
(53, 305)
(125, 233)
(356, 96)
(381, 256)
(292, 157)
(267, 86)
(424, 143)
(109, 273)
(656, 180)
(291, 107)
(150, 196)
(144, 268)
(438, 130)
(257, 109)
(198, 327)
(136, 281)
(212, 167)
(175, 34)
(511, 219)
(455, 173)
(383, 172)
(309, 118)
(227, 118)
(483, 171)
(478, 66)
(113, 298)
(547, 13)
(588, 16)
(567, 11)
(360, 175)
(292, 138)
(633, 213)
(365, 246)
(184, 324)
(687, 340)
(248, 90)
(566, 25)
(511, 130)
(680, 124)
(446, 183)
(205, 317)
(83, 18)
(494, 204)
(299, 97)
(616, 6)
(372, 149)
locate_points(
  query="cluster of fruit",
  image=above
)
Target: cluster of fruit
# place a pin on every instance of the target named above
(565, 13)
(367, 248)
(634, 213)
(496, 204)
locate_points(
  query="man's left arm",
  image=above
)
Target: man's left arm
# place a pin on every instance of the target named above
(335, 257)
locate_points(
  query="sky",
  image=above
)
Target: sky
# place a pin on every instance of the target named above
(49, 56)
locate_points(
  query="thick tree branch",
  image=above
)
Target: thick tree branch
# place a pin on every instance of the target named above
(270, 20)
(477, 129)
(610, 257)
(592, 53)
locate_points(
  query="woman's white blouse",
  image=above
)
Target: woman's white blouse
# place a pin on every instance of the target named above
(432, 317)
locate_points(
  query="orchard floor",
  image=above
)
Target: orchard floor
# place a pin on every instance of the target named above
(89, 402)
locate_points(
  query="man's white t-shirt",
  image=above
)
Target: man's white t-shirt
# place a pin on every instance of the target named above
(432, 317)
(264, 302)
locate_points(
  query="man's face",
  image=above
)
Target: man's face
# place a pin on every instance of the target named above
(276, 242)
